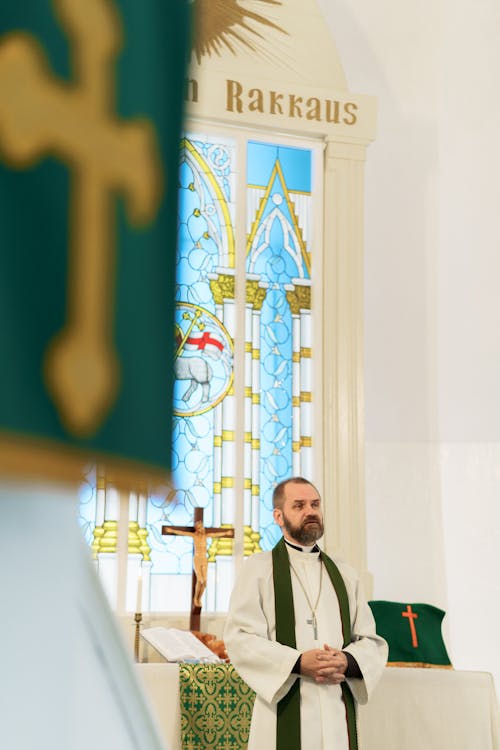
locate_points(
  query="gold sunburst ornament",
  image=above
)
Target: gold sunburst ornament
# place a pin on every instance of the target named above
(223, 24)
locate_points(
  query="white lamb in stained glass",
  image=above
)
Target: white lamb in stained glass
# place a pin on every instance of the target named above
(198, 371)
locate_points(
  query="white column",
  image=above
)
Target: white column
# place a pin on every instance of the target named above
(343, 394)
(138, 560)
(146, 563)
(225, 581)
(100, 499)
(228, 432)
(217, 447)
(256, 293)
(217, 466)
(223, 290)
(247, 458)
(256, 407)
(222, 287)
(122, 553)
(208, 599)
(296, 384)
(306, 395)
(228, 459)
(107, 556)
(99, 514)
(298, 295)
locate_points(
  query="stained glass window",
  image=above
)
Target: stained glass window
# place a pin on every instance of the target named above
(278, 289)
(203, 437)
(271, 196)
(87, 504)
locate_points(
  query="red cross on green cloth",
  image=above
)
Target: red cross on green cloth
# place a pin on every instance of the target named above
(413, 632)
(412, 616)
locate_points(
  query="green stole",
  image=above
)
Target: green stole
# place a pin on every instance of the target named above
(288, 712)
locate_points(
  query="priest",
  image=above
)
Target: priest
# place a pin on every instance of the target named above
(301, 635)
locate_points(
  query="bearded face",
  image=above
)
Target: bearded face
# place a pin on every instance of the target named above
(298, 512)
(306, 531)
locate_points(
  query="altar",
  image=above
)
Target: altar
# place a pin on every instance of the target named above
(412, 709)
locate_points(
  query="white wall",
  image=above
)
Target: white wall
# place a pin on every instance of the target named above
(468, 336)
(432, 306)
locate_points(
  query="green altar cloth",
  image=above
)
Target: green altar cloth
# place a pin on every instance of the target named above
(216, 707)
(413, 632)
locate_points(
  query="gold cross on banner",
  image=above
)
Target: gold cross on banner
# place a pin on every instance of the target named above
(199, 534)
(41, 115)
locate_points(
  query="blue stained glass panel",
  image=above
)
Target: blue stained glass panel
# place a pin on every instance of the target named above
(203, 347)
(87, 497)
(295, 163)
(278, 256)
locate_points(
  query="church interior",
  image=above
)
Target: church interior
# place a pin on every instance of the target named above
(362, 139)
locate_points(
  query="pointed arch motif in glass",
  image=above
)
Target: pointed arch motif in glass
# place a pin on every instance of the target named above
(278, 291)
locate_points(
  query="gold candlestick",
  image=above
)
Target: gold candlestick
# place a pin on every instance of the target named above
(138, 619)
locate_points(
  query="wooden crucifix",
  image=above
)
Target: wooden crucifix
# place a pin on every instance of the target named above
(199, 533)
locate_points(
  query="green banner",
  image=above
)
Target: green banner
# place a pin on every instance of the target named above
(90, 119)
(413, 633)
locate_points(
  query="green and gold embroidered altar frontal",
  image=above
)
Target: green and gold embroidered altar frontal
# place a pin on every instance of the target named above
(216, 707)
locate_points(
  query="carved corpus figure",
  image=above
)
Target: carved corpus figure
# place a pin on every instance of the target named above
(200, 560)
(199, 534)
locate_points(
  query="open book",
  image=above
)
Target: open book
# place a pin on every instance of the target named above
(179, 645)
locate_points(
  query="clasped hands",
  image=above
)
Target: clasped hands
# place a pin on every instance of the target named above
(324, 665)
